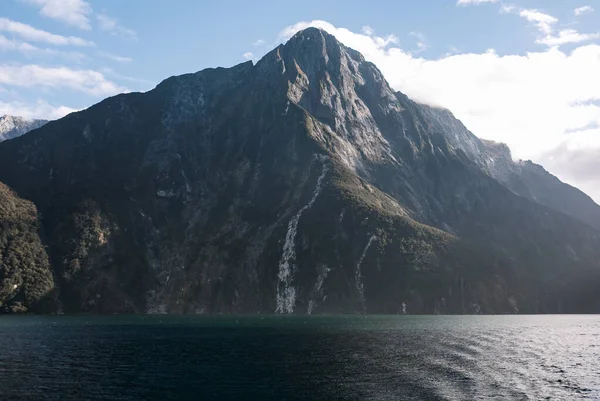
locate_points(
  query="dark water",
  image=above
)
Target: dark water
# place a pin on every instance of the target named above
(275, 358)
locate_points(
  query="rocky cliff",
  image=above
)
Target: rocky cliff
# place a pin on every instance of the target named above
(301, 184)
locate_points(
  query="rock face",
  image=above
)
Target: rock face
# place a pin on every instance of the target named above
(12, 127)
(301, 184)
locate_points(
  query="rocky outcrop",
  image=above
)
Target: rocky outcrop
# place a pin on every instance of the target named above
(12, 127)
(301, 184)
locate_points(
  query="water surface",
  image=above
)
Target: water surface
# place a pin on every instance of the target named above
(287, 358)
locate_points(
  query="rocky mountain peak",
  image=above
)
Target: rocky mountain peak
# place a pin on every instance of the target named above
(339, 89)
(14, 126)
(319, 48)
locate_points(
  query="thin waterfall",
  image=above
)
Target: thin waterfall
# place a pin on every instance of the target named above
(358, 275)
(286, 293)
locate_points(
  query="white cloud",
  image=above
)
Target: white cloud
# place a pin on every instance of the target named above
(367, 30)
(8, 44)
(567, 36)
(530, 101)
(32, 75)
(28, 32)
(421, 41)
(545, 24)
(117, 58)
(40, 109)
(543, 21)
(111, 25)
(72, 12)
(451, 51)
(145, 83)
(473, 2)
(583, 10)
(259, 42)
(248, 55)
(30, 51)
(507, 8)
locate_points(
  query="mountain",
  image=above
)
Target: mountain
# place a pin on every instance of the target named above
(12, 127)
(301, 184)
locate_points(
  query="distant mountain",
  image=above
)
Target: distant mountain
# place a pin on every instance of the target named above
(12, 127)
(301, 184)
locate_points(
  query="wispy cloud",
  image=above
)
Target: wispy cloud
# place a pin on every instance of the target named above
(72, 12)
(542, 21)
(451, 50)
(259, 42)
(545, 24)
(248, 56)
(421, 41)
(33, 75)
(145, 83)
(565, 36)
(583, 10)
(117, 58)
(111, 25)
(474, 2)
(28, 32)
(367, 30)
(29, 50)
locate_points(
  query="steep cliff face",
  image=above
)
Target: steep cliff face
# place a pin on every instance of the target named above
(301, 184)
(12, 127)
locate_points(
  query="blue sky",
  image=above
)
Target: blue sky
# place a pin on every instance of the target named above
(523, 72)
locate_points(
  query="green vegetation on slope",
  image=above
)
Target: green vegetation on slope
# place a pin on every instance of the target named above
(25, 276)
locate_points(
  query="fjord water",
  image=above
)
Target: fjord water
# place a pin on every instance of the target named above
(298, 357)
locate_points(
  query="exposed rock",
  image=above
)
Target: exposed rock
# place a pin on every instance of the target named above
(12, 127)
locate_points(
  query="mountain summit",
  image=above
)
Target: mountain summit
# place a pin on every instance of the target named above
(301, 184)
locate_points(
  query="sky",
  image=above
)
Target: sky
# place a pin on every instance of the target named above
(523, 72)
